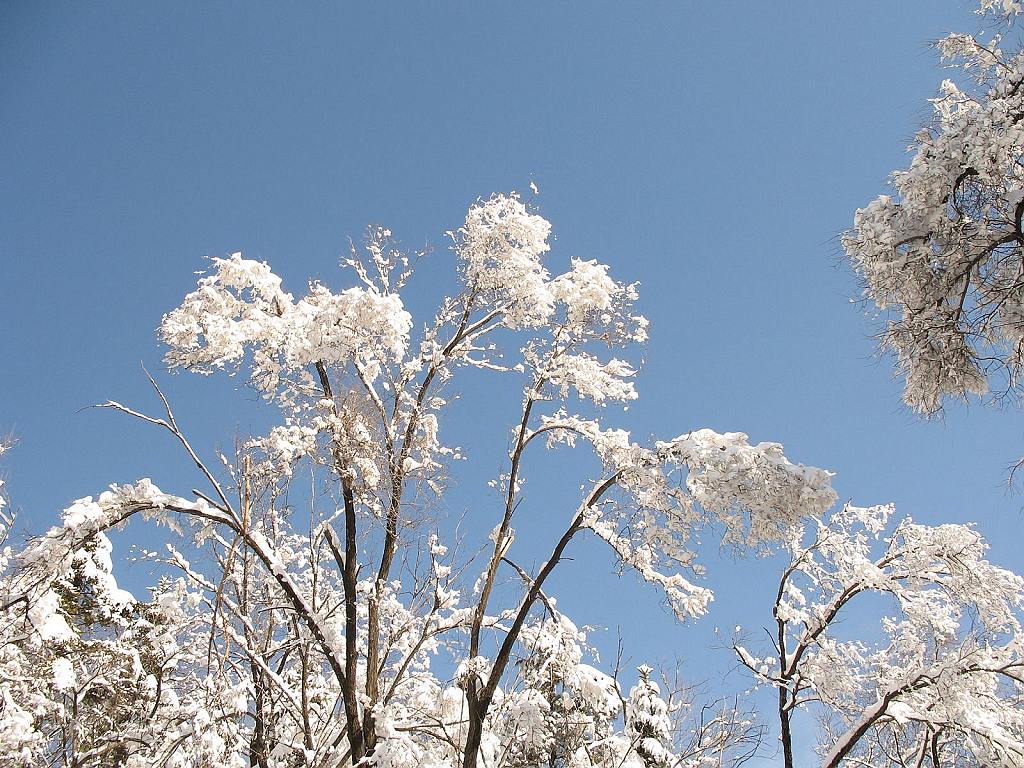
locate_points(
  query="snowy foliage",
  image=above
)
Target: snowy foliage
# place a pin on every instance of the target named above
(942, 256)
(354, 637)
(945, 681)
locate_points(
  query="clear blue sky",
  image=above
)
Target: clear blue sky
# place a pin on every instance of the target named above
(712, 151)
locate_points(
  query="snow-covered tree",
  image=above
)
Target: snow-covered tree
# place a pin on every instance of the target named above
(353, 634)
(943, 257)
(941, 682)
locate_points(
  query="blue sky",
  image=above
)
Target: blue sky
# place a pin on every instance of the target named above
(712, 151)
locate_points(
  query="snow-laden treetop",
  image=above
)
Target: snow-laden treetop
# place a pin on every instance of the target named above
(943, 257)
(362, 390)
